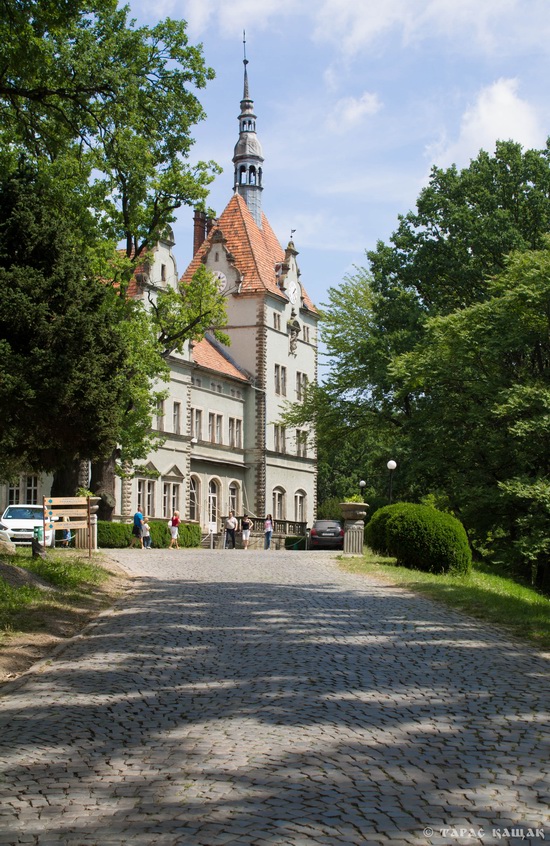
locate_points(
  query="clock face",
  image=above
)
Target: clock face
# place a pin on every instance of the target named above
(222, 280)
(293, 292)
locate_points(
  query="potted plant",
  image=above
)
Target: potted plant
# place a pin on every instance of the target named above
(353, 508)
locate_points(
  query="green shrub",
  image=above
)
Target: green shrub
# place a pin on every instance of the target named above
(118, 535)
(189, 535)
(375, 530)
(295, 542)
(423, 538)
(113, 535)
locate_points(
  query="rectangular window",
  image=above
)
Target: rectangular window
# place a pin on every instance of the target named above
(235, 432)
(196, 423)
(175, 498)
(149, 499)
(13, 495)
(301, 443)
(170, 499)
(176, 418)
(280, 380)
(276, 320)
(215, 428)
(31, 490)
(163, 273)
(301, 385)
(146, 497)
(280, 438)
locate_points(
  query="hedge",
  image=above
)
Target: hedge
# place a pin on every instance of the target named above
(421, 537)
(295, 542)
(118, 535)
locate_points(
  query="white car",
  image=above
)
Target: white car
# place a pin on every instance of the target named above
(20, 521)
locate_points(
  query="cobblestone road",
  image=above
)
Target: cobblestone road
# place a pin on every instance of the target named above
(270, 698)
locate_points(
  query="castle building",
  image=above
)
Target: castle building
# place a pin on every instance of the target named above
(225, 447)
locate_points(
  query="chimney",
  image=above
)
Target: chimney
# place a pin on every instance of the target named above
(199, 230)
(209, 225)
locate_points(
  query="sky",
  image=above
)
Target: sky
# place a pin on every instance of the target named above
(356, 100)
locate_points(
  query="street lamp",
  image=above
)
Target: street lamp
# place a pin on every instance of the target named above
(391, 465)
(362, 486)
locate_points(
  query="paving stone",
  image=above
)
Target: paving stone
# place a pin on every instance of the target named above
(273, 700)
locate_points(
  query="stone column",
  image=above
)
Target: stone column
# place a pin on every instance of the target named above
(354, 526)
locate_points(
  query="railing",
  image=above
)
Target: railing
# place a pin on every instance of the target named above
(280, 527)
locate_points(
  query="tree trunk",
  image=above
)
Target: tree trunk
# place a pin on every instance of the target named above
(65, 479)
(103, 485)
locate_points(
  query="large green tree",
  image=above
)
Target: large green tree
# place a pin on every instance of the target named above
(101, 111)
(438, 267)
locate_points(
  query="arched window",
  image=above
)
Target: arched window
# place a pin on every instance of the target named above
(234, 497)
(194, 499)
(213, 497)
(252, 176)
(300, 506)
(279, 504)
(242, 175)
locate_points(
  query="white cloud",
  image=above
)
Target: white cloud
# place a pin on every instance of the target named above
(355, 26)
(350, 111)
(232, 17)
(498, 114)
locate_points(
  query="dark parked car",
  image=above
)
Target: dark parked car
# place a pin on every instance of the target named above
(326, 534)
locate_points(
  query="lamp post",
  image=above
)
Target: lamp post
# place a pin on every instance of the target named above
(391, 465)
(362, 486)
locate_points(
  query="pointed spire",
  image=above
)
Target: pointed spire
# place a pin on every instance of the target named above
(245, 62)
(248, 156)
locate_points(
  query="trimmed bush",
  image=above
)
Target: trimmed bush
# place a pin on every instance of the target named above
(113, 535)
(295, 542)
(423, 538)
(375, 530)
(118, 535)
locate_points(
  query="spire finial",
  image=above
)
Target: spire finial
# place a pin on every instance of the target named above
(245, 62)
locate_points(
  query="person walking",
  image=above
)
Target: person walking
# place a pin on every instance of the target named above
(245, 529)
(173, 525)
(137, 530)
(268, 531)
(146, 534)
(230, 526)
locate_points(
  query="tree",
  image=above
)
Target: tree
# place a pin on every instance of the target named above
(413, 366)
(85, 93)
(62, 379)
(481, 387)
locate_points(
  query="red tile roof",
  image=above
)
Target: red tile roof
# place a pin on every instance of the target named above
(206, 354)
(255, 251)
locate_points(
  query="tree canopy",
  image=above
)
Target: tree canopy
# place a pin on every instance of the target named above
(96, 115)
(439, 353)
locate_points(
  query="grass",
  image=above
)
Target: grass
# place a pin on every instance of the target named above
(486, 595)
(64, 579)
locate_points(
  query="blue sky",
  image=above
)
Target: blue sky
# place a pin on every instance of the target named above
(355, 102)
